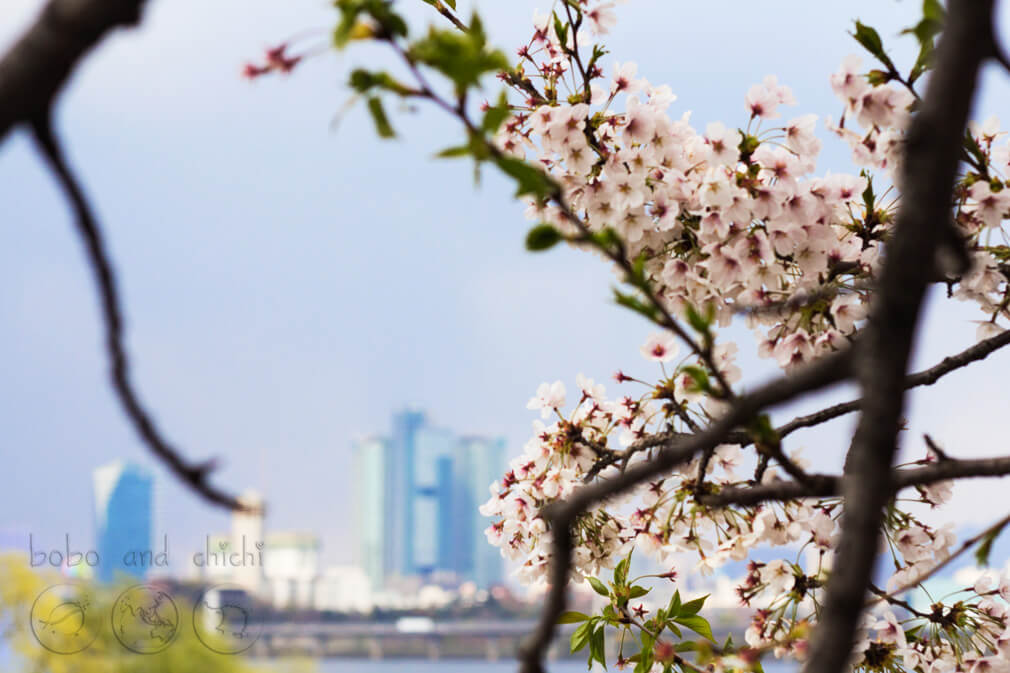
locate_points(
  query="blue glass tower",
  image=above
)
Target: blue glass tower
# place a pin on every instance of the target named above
(123, 505)
(417, 494)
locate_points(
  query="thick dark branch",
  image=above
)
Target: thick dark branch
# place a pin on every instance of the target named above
(923, 229)
(927, 377)
(192, 474)
(951, 469)
(817, 486)
(678, 450)
(33, 71)
(825, 485)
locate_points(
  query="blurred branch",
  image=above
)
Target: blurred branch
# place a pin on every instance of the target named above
(825, 486)
(923, 229)
(562, 514)
(35, 68)
(32, 74)
(193, 475)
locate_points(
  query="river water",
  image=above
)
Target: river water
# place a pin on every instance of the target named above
(450, 666)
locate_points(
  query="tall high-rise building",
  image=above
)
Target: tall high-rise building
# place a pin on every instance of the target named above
(247, 542)
(399, 490)
(372, 515)
(430, 500)
(123, 494)
(416, 499)
(479, 462)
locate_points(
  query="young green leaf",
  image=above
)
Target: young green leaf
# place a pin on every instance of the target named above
(529, 179)
(674, 608)
(572, 618)
(870, 39)
(542, 237)
(378, 113)
(598, 586)
(597, 647)
(985, 549)
(692, 607)
(638, 591)
(636, 305)
(454, 152)
(581, 636)
(697, 624)
(699, 322)
(621, 572)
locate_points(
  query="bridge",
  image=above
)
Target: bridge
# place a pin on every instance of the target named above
(492, 639)
(422, 637)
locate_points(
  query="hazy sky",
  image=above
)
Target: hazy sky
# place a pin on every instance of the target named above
(288, 286)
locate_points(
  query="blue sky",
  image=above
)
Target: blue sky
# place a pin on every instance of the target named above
(288, 285)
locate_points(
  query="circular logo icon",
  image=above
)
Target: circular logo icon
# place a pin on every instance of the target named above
(145, 619)
(64, 618)
(226, 620)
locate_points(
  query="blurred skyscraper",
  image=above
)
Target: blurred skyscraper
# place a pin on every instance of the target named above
(417, 494)
(123, 495)
(479, 462)
(373, 514)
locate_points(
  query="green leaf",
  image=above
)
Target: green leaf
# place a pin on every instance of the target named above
(529, 179)
(869, 199)
(985, 549)
(636, 305)
(695, 319)
(597, 647)
(542, 237)
(692, 607)
(934, 11)
(598, 586)
(572, 618)
(621, 572)
(638, 591)
(451, 3)
(697, 624)
(870, 39)
(355, 15)
(496, 114)
(461, 57)
(606, 238)
(364, 81)
(561, 30)
(378, 113)
(973, 148)
(922, 62)
(581, 636)
(645, 661)
(454, 152)
(699, 376)
(674, 607)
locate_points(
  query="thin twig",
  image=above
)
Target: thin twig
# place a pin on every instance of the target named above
(192, 474)
(562, 514)
(965, 546)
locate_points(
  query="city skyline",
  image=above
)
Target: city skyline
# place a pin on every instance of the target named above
(123, 502)
(416, 496)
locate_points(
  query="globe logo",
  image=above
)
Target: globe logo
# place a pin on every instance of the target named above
(64, 618)
(145, 619)
(225, 619)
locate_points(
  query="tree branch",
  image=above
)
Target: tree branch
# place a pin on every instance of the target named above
(826, 485)
(35, 68)
(193, 475)
(922, 229)
(562, 515)
(927, 377)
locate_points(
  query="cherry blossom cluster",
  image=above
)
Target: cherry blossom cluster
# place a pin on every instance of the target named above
(737, 220)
